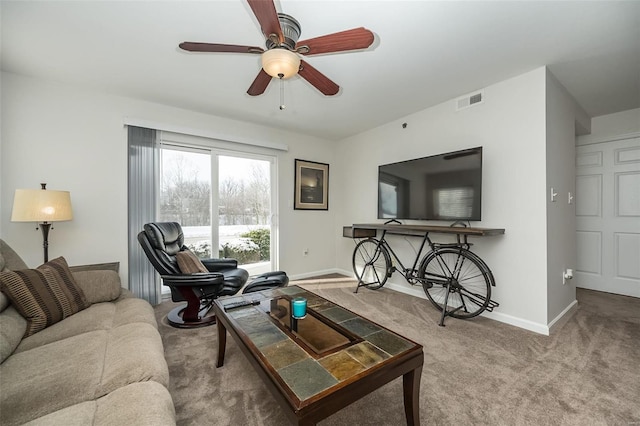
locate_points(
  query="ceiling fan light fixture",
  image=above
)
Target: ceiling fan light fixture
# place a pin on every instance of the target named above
(280, 63)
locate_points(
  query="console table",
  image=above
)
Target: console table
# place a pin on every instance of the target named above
(365, 230)
(456, 280)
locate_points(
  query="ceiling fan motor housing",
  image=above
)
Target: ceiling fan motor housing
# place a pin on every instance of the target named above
(290, 30)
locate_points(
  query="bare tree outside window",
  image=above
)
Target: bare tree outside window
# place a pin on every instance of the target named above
(185, 189)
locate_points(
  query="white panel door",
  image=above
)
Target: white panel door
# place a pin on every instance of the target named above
(607, 204)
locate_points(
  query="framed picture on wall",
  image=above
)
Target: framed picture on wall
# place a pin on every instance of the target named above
(311, 186)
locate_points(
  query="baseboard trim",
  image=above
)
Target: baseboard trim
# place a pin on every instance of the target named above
(564, 316)
(346, 272)
(317, 273)
(417, 291)
(536, 327)
(325, 283)
(497, 316)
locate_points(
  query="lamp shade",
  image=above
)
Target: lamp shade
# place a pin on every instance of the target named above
(280, 61)
(41, 205)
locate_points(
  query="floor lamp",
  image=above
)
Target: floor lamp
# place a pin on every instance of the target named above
(42, 206)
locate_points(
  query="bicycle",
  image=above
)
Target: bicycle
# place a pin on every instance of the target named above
(455, 280)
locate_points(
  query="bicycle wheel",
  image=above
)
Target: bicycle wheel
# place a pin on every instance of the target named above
(468, 280)
(483, 266)
(371, 263)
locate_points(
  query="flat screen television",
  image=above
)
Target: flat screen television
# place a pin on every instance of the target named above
(440, 187)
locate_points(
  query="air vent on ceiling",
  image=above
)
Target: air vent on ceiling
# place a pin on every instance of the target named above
(469, 100)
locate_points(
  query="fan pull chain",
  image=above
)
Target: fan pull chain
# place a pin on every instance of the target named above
(282, 105)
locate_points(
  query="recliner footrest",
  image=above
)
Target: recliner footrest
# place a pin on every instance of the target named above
(267, 281)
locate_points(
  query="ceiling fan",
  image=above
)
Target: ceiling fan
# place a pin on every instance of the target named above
(281, 57)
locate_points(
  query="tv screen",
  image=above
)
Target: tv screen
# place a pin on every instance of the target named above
(440, 187)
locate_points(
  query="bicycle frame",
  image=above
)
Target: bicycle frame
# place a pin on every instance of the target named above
(410, 274)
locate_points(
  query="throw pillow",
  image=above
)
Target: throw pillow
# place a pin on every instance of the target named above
(189, 263)
(44, 296)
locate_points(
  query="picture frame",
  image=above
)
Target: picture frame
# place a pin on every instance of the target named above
(311, 185)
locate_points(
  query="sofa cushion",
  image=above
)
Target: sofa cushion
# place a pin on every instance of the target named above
(99, 316)
(9, 260)
(4, 302)
(12, 328)
(134, 354)
(99, 286)
(152, 406)
(44, 296)
(76, 415)
(51, 377)
(131, 310)
(81, 368)
(13, 262)
(188, 262)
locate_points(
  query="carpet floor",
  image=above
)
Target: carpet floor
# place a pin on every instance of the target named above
(476, 372)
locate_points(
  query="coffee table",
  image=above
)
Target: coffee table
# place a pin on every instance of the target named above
(318, 365)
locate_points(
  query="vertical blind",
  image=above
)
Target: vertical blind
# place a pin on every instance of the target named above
(144, 282)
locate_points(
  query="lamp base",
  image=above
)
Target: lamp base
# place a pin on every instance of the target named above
(45, 227)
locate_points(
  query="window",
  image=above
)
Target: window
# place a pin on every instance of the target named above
(223, 200)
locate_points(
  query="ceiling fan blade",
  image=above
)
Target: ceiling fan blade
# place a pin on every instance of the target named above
(216, 47)
(317, 79)
(267, 16)
(260, 84)
(357, 38)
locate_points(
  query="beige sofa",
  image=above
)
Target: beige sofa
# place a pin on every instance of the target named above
(103, 365)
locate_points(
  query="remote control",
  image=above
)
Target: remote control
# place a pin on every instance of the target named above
(235, 305)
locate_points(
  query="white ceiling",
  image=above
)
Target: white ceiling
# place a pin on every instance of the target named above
(425, 52)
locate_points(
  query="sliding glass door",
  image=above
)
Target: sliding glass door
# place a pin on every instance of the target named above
(244, 211)
(223, 200)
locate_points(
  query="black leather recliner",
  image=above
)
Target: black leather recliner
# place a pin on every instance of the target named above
(161, 242)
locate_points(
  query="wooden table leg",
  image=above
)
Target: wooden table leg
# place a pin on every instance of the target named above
(222, 343)
(411, 387)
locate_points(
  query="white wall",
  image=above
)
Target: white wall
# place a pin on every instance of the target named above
(606, 127)
(74, 139)
(562, 113)
(510, 125)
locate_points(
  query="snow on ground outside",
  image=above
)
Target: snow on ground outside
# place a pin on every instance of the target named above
(228, 233)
